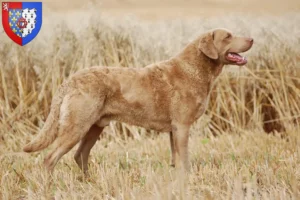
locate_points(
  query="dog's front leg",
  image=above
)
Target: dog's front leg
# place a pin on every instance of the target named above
(180, 135)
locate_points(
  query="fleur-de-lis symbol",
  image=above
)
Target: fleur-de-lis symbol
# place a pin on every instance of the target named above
(14, 19)
(5, 6)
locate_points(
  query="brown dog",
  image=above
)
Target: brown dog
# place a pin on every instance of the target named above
(168, 96)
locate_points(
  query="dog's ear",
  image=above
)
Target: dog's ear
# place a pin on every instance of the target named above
(206, 45)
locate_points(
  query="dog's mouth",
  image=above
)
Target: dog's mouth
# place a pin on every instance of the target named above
(236, 58)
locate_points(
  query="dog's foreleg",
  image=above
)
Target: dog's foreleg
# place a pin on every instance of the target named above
(180, 135)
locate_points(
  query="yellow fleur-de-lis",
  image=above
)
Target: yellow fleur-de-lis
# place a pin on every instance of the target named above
(18, 13)
(14, 30)
(10, 24)
(14, 19)
(10, 13)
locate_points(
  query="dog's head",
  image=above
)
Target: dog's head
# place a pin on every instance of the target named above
(221, 45)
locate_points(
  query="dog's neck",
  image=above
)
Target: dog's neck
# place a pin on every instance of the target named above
(198, 65)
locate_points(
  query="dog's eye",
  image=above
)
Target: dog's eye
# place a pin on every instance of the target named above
(228, 36)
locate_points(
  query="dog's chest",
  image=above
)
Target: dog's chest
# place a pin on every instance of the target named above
(201, 106)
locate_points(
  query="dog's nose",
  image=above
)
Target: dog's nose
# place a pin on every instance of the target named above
(250, 40)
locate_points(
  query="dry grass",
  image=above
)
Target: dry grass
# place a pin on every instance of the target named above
(241, 161)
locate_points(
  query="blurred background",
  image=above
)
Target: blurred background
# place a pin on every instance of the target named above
(162, 9)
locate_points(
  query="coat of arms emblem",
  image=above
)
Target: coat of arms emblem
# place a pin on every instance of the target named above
(22, 21)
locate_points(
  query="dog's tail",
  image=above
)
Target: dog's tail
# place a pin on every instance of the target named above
(50, 129)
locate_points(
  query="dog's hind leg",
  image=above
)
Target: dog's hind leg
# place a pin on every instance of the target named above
(62, 145)
(173, 152)
(78, 114)
(86, 144)
(69, 137)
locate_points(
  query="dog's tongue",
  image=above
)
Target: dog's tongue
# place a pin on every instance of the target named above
(237, 58)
